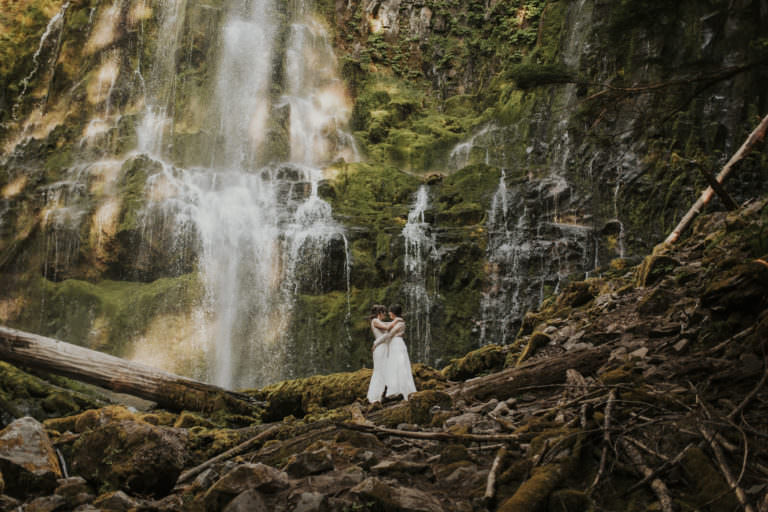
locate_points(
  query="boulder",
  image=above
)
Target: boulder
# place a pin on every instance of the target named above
(243, 478)
(116, 501)
(28, 461)
(131, 455)
(389, 497)
(45, 504)
(247, 501)
(309, 463)
(311, 502)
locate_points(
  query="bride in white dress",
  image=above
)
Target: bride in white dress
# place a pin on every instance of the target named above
(391, 364)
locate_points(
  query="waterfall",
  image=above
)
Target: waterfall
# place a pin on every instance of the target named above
(54, 24)
(262, 233)
(420, 251)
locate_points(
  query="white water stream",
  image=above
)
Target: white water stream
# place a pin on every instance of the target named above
(420, 255)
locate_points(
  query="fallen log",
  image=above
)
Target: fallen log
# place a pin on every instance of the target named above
(507, 383)
(166, 389)
(757, 135)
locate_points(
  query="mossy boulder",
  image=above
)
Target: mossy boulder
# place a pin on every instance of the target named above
(486, 359)
(131, 455)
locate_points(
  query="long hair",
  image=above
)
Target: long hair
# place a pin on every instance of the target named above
(397, 309)
(376, 309)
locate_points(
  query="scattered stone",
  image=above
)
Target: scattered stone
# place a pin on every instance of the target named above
(640, 353)
(484, 408)
(399, 466)
(331, 482)
(28, 461)
(682, 345)
(247, 501)
(311, 502)
(45, 504)
(8, 502)
(309, 463)
(117, 501)
(243, 478)
(390, 497)
(72, 486)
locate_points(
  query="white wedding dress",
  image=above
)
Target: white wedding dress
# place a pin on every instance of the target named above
(391, 365)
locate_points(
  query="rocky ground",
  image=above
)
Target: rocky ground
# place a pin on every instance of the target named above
(642, 389)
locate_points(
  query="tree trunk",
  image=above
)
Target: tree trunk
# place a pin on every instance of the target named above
(507, 383)
(168, 390)
(756, 136)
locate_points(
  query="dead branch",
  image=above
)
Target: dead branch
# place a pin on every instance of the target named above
(751, 394)
(721, 462)
(757, 135)
(434, 436)
(666, 465)
(659, 487)
(490, 485)
(232, 452)
(606, 441)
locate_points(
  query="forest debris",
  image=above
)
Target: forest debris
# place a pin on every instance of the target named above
(606, 441)
(434, 436)
(721, 462)
(490, 486)
(232, 452)
(659, 487)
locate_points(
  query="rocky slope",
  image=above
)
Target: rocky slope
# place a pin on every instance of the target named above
(642, 389)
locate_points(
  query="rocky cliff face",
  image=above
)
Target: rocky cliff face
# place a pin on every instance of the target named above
(500, 150)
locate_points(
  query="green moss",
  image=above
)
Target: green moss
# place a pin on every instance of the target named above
(109, 314)
(486, 359)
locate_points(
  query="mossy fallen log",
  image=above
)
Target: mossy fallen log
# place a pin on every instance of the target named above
(166, 389)
(507, 383)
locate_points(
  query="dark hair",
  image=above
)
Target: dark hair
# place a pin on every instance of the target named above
(376, 309)
(397, 309)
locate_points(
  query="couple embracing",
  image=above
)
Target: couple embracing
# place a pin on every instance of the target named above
(391, 364)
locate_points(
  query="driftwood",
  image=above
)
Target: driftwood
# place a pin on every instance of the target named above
(166, 389)
(756, 136)
(232, 452)
(505, 384)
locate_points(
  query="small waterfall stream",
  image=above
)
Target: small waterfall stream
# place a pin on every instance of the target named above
(420, 254)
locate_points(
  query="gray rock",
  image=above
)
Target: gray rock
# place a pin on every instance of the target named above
(399, 466)
(45, 504)
(28, 461)
(484, 408)
(115, 501)
(245, 477)
(389, 497)
(72, 486)
(247, 501)
(309, 463)
(311, 502)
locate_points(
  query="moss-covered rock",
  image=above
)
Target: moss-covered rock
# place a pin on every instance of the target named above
(485, 359)
(130, 455)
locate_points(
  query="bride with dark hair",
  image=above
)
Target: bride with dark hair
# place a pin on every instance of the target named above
(397, 371)
(391, 364)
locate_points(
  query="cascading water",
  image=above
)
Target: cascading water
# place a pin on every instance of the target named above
(260, 230)
(420, 252)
